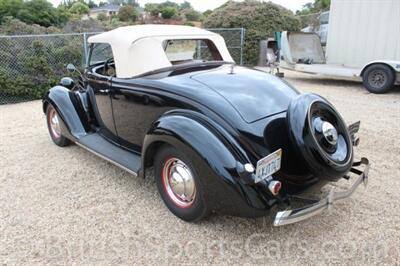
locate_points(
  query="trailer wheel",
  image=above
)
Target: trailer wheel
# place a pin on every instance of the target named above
(378, 78)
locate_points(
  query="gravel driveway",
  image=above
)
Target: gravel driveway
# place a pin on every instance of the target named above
(66, 206)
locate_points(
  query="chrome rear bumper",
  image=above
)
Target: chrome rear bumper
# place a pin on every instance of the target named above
(296, 215)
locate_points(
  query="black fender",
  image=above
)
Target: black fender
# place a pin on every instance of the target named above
(226, 189)
(69, 109)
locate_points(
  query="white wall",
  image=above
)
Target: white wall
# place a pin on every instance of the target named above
(361, 31)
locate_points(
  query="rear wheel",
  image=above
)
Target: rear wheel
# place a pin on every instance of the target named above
(378, 78)
(179, 185)
(54, 127)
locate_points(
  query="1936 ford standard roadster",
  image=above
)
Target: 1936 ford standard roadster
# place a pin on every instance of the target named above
(221, 138)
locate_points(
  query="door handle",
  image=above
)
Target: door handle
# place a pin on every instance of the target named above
(104, 91)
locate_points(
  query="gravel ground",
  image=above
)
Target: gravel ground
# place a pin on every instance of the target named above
(66, 206)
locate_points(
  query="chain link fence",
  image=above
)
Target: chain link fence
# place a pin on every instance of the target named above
(31, 64)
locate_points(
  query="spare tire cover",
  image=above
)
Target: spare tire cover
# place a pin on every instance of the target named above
(320, 136)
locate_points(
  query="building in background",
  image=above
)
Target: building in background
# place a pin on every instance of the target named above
(108, 10)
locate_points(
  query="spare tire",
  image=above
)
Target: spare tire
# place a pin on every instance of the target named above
(320, 136)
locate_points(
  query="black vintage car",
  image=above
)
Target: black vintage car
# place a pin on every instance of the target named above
(221, 138)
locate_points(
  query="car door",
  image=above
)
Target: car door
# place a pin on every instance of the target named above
(135, 110)
(99, 86)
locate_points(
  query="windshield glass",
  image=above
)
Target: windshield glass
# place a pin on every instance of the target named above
(191, 51)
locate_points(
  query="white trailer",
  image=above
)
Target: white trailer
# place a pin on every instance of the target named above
(363, 44)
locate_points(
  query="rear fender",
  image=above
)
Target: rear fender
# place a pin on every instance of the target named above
(221, 176)
(69, 109)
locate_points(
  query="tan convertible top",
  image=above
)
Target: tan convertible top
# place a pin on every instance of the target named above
(139, 49)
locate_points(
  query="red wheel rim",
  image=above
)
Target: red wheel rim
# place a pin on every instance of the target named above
(178, 182)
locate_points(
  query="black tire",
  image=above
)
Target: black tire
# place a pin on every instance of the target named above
(196, 209)
(55, 135)
(378, 78)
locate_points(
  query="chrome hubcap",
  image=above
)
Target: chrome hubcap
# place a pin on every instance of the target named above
(330, 133)
(54, 124)
(179, 182)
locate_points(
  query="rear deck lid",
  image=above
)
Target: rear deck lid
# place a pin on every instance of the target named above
(254, 94)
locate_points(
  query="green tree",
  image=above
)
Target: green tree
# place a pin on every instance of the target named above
(191, 14)
(322, 5)
(185, 5)
(67, 3)
(309, 13)
(153, 9)
(38, 12)
(260, 19)
(63, 14)
(9, 8)
(79, 8)
(169, 4)
(168, 12)
(128, 13)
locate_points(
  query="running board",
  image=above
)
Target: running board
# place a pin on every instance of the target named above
(106, 150)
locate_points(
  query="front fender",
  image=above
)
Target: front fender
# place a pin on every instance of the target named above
(67, 107)
(224, 185)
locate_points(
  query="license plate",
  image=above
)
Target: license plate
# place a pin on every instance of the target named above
(268, 165)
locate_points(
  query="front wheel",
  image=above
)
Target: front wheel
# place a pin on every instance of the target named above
(378, 78)
(179, 185)
(54, 127)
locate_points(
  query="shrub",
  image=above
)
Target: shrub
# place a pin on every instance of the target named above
(188, 23)
(168, 12)
(37, 76)
(38, 12)
(86, 25)
(12, 26)
(191, 14)
(153, 9)
(102, 17)
(260, 19)
(30, 65)
(128, 13)
(79, 8)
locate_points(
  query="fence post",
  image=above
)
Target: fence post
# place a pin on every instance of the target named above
(241, 44)
(85, 56)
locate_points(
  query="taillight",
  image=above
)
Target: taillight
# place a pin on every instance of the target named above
(274, 186)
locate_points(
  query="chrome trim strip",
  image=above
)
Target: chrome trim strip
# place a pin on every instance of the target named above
(300, 214)
(107, 159)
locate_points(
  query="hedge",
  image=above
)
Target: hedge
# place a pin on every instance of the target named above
(260, 19)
